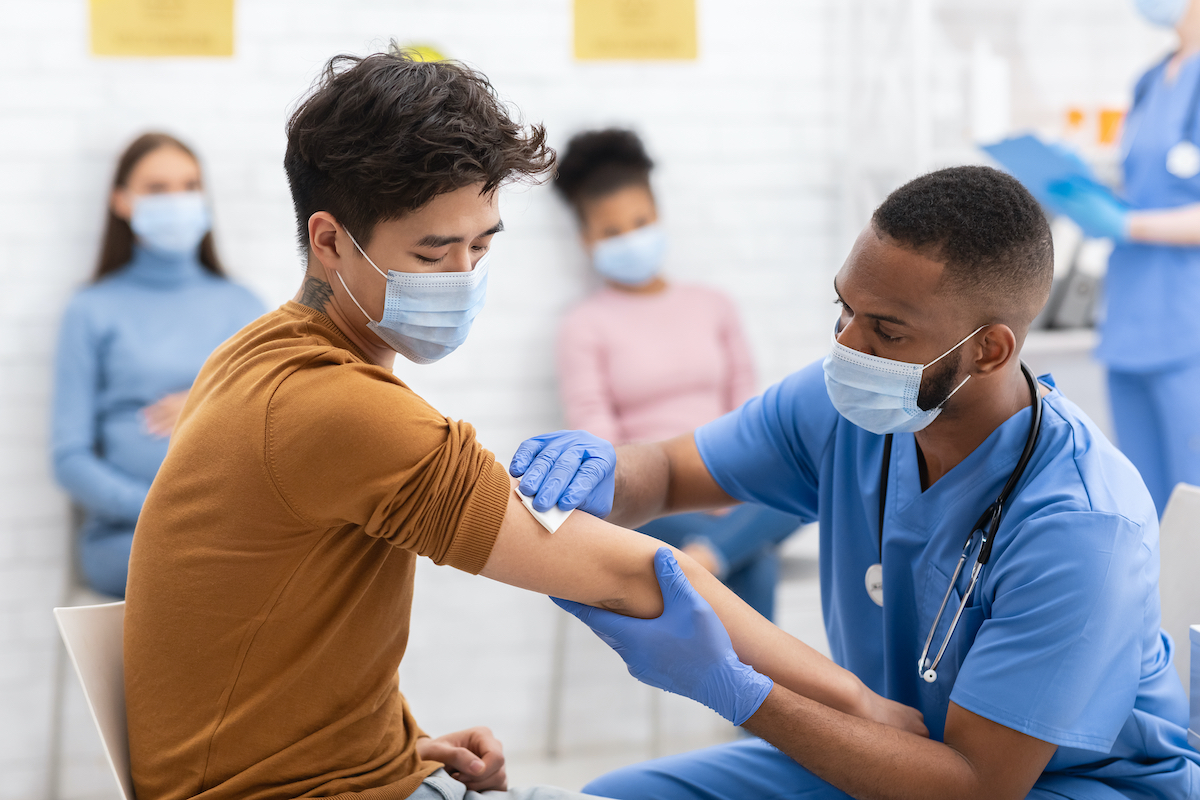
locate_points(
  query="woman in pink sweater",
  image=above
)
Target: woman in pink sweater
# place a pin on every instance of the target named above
(645, 359)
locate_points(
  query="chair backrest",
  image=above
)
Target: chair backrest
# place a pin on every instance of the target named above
(1194, 716)
(94, 638)
(1179, 580)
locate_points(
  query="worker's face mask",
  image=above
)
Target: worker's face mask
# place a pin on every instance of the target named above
(1165, 13)
(878, 394)
(427, 315)
(171, 224)
(632, 258)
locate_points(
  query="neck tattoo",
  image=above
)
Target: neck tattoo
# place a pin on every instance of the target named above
(315, 294)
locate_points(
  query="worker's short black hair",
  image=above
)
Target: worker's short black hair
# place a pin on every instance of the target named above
(598, 163)
(986, 228)
(381, 136)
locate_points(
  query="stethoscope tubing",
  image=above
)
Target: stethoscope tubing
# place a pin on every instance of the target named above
(988, 524)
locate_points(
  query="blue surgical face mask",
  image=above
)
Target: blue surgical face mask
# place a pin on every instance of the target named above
(171, 224)
(1165, 13)
(878, 394)
(426, 315)
(632, 258)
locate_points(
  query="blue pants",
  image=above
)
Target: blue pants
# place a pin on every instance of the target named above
(104, 555)
(751, 768)
(745, 540)
(1156, 416)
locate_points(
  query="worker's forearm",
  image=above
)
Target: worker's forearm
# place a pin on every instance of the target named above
(865, 759)
(642, 484)
(1175, 226)
(774, 653)
(661, 478)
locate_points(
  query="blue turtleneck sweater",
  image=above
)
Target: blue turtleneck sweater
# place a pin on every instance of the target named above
(139, 334)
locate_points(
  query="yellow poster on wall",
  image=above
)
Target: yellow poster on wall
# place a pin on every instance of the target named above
(162, 27)
(635, 29)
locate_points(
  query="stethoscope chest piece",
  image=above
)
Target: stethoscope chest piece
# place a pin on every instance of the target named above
(1183, 160)
(874, 583)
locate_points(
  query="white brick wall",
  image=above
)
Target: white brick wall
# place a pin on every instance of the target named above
(751, 140)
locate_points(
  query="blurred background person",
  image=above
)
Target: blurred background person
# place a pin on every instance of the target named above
(644, 358)
(131, 344)
(1150, 336)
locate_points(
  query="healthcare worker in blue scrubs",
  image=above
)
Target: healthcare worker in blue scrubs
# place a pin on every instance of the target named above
(1035, 652)
(1150, 334)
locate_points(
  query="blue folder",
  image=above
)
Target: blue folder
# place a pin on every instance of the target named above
(1038, 165)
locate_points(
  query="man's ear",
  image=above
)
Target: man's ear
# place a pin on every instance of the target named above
(323, 243)
(997, 347)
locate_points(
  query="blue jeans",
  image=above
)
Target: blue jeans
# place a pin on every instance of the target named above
(440, 786)
(745, 540)
(1156, 417)
(104, 555)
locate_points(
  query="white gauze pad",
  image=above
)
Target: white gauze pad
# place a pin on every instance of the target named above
(551, 520)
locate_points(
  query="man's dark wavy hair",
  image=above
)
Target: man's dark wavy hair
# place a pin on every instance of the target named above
(986, 228)
(381, 136)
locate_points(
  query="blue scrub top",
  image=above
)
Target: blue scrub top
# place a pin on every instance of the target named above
(1153, 291)
(1061, 639)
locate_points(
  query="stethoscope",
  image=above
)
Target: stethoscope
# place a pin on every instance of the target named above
(988, 524)
(1183, 159)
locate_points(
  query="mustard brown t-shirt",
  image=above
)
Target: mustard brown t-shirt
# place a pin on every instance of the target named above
(271, 579)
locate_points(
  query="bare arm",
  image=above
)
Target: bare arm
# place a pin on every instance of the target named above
(1177, 226)
(979, 759)
(593, 562)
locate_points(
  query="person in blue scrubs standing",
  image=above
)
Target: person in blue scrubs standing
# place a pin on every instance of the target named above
(1046, 674)
(1150, 333)
(131, 344)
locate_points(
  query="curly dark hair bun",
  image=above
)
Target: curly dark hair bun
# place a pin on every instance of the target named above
(381, 136)
(597, 163)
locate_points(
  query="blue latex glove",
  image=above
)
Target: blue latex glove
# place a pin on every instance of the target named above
(1094, 208)
(685, 650)
(570, 469)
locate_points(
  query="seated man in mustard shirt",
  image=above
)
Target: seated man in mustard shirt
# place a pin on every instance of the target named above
(271, 579)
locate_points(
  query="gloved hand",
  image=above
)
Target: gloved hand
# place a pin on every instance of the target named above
(1094, 209)
(685, 650)
(570, 469)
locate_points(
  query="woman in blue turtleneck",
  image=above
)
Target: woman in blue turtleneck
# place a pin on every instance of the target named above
(132, 343)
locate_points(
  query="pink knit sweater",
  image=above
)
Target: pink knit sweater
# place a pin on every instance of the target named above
(637, 368)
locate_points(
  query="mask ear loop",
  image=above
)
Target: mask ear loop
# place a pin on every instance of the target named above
(369, 261)
(384, 274)
(943, 355)
(347, 288)
(930, 364)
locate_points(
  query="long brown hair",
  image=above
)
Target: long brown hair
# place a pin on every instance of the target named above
(116, 248)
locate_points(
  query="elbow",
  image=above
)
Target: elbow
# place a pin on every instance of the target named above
(639, 608)
(63, 467)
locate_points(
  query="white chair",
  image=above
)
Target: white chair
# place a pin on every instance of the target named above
(94, 638)
(1194, 716)
(1179, 579)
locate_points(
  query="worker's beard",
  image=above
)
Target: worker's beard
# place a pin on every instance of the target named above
(939, 382)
